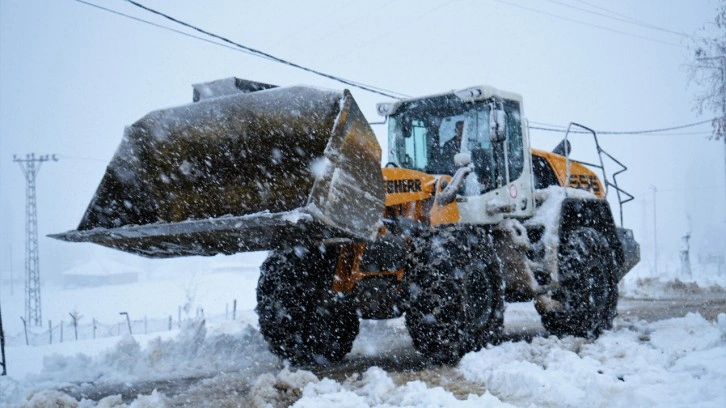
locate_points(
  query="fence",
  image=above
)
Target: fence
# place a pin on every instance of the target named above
(78, 327)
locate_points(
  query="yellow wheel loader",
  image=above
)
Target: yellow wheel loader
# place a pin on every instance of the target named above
(464, 216)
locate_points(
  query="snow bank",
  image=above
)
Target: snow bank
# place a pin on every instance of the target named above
(657, 288)
(193, 353)
(674, 362)
(376, 388)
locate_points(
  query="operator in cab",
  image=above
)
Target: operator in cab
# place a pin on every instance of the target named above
(450, 149)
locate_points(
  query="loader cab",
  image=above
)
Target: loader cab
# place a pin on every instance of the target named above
(421, 130)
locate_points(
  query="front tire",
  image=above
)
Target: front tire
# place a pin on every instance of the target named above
(588, 292)
(456, 302)
(300, 316)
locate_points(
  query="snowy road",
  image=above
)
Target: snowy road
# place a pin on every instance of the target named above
(521, 324)
(659, 309)
(382, 344)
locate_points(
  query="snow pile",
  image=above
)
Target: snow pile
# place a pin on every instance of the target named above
(674, 362)
(375, 388)
(58, 399)
(221, 362)
(654, 288)
(192, 354)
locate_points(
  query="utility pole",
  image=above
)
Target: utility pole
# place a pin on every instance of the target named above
(723, 112)
(30, 166)
(4, 363)
(723, 108)
(2, 347)
(720, 122)
(655, 233)
(10, 258)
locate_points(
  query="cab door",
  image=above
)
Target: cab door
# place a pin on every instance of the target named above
(501, 184)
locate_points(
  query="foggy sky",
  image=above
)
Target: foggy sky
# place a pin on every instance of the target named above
(72, 76)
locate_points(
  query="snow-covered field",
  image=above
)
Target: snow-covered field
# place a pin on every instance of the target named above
(213, 360)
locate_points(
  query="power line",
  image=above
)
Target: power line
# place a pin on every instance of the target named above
(398, 28)
(239, 48)
(550, 128)
(624, 19)
(615, 13)
(677, 189)
(588, 24)
(362, 86)
(635, 20)
(141, 20)
(381, 91)
(317, 19)
(660, 190)
(64, 157)
(350, 23)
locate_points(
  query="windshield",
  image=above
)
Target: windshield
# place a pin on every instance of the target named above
(425, 135)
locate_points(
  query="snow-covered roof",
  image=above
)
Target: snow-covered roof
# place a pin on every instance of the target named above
(470, 94)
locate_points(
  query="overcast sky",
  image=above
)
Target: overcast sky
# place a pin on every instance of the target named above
(72, 76)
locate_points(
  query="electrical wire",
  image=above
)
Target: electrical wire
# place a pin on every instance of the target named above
(398, 28)
(65, 157)
(256, 52)
(162, 27)
(351, 23)
(624, 19)
(550, 128)
(615, 13)
(315, 23)
(235, 48)
(643, 195)
(238, 47)
(588, 24)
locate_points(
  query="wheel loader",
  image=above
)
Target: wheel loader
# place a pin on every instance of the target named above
(443, 239)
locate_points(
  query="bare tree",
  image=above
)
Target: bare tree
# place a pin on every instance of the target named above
(708, 70)
(75, 317)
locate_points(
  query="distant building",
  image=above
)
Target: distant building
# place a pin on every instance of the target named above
(94, 273)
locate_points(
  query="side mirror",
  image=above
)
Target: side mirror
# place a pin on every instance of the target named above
(497, 126)
(563, 149)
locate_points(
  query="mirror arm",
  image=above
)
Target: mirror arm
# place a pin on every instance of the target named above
(448, 195)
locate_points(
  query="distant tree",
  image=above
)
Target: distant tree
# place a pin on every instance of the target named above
(708, 70)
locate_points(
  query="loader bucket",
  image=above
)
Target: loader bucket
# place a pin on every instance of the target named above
(244, 172)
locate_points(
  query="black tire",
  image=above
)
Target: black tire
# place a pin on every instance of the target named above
(588, 292)
(456, 302)
(300, 316)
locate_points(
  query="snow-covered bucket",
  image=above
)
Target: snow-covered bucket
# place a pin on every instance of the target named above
(242, 172)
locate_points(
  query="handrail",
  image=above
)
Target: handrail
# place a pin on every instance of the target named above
(600, 151)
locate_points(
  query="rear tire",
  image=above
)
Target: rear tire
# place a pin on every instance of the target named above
(455, 293)
(300, 316)
(588, 292)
